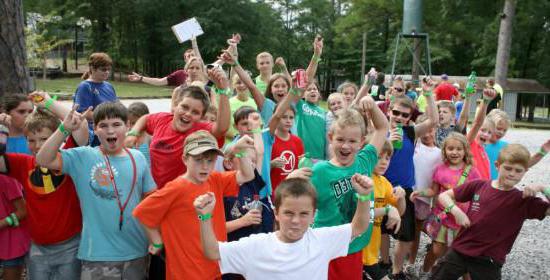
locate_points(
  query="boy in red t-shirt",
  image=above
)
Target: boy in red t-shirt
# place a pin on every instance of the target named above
(287, 147)
(481, 247)
(169, 130)
(54, 218)
(169, 217)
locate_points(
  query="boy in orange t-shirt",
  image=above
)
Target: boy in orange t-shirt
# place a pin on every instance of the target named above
(170, 210)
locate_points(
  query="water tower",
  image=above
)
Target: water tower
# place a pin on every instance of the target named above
(416, 42)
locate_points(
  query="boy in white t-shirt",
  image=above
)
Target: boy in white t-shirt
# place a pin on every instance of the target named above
(295, 251)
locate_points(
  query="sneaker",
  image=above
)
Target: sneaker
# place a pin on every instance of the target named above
(386, 266)
(424, 275)
(400, 276)
(410, 270)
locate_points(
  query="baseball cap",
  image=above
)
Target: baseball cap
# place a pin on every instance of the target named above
(444, 77)
(200, 142)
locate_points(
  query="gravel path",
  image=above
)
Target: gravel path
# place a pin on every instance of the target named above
(530, 256)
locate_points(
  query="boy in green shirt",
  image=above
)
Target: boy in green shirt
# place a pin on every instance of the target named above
(336, 198)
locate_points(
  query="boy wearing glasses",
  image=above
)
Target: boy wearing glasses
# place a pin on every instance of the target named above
(401, 169)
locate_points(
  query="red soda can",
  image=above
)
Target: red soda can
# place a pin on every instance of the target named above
(301, 78)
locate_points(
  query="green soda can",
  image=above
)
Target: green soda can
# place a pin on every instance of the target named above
(398, 144)
(305, 161)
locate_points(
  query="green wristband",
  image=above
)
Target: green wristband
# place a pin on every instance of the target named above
(64, 130)
(316, 58)
(205, 217)
(427, 93)
(49, 102)
(9, 220)
(257, 130)
(236, 63)
(294, 92)
(546, 192)
(14, 219)
(449, 208)
(362, 197)
(387, 209)
(542, 152)
(225, 91)
(422, 193)
(240, 154)
(158, 246)
(132, 132)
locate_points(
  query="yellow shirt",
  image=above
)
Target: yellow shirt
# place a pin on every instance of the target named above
(383, 195)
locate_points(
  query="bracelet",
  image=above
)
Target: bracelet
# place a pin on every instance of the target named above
(294, 92)
(15, 220)
(387, 209)
(236, 63)
(49, 102)
(9, 221)
(257, 130)
(64, 130)
(132, 132)
(225, 91)
(362, 197)
(546, 192)
(427, 93)
(240, 154)
(205, 217)
(158, 246)
(316, 58)
(542, 152)
(449, 208)
(422, 193)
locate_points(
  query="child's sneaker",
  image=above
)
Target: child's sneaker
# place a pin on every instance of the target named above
(400, 276)
(410, 270)
(424, 275)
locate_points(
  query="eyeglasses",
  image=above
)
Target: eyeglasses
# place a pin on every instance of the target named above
(397, 113)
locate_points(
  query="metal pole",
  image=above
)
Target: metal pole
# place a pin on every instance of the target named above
(395, 55)
(76, 47)
(363, 57)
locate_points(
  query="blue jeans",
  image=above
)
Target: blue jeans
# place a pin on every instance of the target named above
(56, 261)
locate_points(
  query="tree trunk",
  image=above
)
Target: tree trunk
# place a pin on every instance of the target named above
(13, 66)
(504, 43)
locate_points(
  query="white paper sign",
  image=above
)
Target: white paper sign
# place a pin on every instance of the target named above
(186, 30)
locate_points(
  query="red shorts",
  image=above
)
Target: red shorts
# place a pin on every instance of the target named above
(349, 267)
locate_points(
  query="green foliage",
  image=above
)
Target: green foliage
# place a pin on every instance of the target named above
(463, 33)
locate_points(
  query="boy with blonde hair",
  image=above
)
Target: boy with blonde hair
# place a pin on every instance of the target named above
(481, 247)
(264, 64)
(337, 199)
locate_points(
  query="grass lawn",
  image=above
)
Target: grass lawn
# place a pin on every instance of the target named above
(67, 86)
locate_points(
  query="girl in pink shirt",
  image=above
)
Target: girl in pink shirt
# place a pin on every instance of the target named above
(455, 170)
(14, 237)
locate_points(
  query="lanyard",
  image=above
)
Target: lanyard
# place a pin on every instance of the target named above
(121, 206)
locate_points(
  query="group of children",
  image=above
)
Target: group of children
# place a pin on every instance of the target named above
(295, 192)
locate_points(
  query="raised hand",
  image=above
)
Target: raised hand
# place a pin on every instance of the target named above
(427, 84)
(245, 142)
(134, 77)
(218, 76)
(302, 173)
(362, 184)
(489, 94)
(228, 56)
(280, 62)
(254, 121)
(367, 104)
(73, 119)
(39, 98)
(205, 203)
(318, 45)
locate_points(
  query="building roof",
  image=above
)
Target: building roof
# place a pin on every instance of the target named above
(513, 85)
